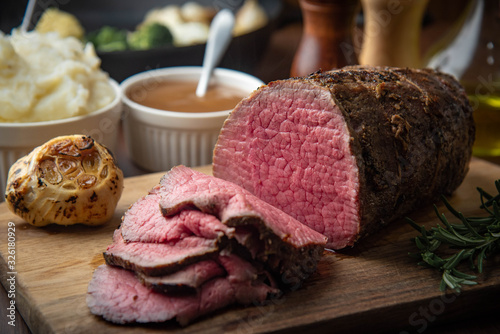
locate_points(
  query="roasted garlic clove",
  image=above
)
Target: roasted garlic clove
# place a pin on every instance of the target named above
(68, 180)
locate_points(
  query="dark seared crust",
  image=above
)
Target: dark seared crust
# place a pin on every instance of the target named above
(411, 133)
(164, 284)
(165, 288)
(290, 264)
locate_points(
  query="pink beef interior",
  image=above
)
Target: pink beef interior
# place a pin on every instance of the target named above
(157, 256)
(290, 146)
(119, 296)
(228, 201)
(145, 223)
(188, 278)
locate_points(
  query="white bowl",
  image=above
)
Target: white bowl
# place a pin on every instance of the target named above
(157, 140)
(19, 139)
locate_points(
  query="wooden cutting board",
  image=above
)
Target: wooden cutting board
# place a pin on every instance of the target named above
(374, 286)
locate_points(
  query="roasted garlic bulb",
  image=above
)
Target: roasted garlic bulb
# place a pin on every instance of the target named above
(68, 180)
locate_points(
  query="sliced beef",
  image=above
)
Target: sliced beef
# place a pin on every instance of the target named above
(144, 222)
(270, 235)
(118, 296)
(228, 202)
(251, 282)
(156, 259)
(348, 151)
(195, 244)
(186, 279)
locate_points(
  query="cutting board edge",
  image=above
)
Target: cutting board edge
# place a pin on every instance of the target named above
(30, 315)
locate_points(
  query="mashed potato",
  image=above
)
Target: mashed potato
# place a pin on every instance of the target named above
(45, 77)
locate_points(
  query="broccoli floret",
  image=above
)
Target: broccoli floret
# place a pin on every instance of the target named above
(151, 35)
(108, 39)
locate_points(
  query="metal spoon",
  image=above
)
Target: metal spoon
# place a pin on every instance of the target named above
(27, 15)
(219, 36)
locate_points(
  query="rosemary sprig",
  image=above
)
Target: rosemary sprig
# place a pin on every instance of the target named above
(471, 240)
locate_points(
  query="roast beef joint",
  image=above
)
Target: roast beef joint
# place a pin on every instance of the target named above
(348, 151)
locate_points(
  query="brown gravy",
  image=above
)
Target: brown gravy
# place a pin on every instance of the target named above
(181, 96)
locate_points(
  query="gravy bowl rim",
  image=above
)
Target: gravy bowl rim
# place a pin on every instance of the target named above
(162, 73)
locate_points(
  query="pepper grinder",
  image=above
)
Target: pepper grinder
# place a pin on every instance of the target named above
(391, 34)
(326, 41)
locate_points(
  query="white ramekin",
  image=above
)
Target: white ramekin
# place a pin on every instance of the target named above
(19, 139)
(157, 140)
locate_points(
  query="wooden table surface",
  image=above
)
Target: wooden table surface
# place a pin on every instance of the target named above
(275, 64)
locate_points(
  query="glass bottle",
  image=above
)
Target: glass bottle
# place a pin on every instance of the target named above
(482, 82)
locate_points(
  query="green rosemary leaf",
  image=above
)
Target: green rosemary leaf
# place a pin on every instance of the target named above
(413, 224)
(475, 221)
(467, 282)
(488, 197)
(460, 228)
(450, 208)
(455, 282)
(484, 194)
(441, 217)
(479, 239)
(445, 236)
(433, 260)
(496, 211)
(493, 228)
(435, 243)
(454, 260)
(450, 281)
(460, 274)
(496, 198)
(422, 245)
(470, 240)
(442, 285)
(469, 227)
(472, 265)
(480, 259)
(469, 253)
